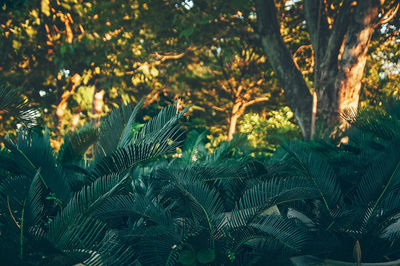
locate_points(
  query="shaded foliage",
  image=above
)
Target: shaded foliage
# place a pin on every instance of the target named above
(135, 201)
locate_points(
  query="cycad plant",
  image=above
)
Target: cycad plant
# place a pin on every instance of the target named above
(203, 209)
(354, 215)
(12, 105)
(112, 196)
(49, 200)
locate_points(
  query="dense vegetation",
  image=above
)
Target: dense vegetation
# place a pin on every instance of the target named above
(92, 175)
(118, 193)
(78, 59)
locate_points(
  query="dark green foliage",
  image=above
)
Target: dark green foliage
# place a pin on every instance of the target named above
(13, 105)
(43, 221)
(132, 203)
(358, 186)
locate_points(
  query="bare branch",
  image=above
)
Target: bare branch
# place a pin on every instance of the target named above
(389, 15)
(254, 101)
(310, 70)
(220, 109)
(160, 59)
(163, 58)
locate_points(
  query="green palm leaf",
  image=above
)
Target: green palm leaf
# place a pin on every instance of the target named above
(287, 232)
(12, 104)
(76, 143)
(115, 129)
(380, 178)
(33, 151)
(263, 196)
(311, 165)
(159, 136)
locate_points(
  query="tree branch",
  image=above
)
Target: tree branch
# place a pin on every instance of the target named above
(338, 32)
(317, 24)
(256, 100)
(160, 59)
(219, 109)
(311, 68)
(389, 15)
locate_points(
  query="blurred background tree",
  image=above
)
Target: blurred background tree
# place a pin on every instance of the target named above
(77, 59)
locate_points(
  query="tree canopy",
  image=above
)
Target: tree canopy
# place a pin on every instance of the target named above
(76, 59)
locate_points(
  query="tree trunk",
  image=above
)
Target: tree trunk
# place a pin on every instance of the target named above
(339, 83)
(340, 52)
(281, 60)
(232, 126)
(235, 115)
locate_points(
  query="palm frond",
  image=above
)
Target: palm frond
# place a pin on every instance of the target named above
(204, 201)
(12, 104)
(225, 149)
(85, 202)
(263, 196)
(319, 172)
(130, 130)
(286, 231)
(130, 156)
(76, 230)
(76, 143)
(15, 187)
(159, 136)
(278, 234)
(35, 205)
(380, 178)
(377, 122)
(115, 127)
(32, 152)
(135, 206)
(166, 119)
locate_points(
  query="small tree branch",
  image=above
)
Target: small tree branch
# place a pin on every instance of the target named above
(308, 71)
(159, 60)
(163, 58)
(220, 109)
(389, 15)
(254, 101)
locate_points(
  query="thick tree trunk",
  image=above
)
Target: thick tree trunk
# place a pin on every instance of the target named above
(339, 82)
(279, 56)
(340, 52)
(354, 57)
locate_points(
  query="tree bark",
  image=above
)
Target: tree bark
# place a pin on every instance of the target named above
(281, 60)
(340, 52)
(342, 69)
(236, 113)
(354, 57)
(232, 126)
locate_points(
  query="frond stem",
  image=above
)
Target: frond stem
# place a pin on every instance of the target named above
(12, 216)
(383, 192)
(21, 238)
